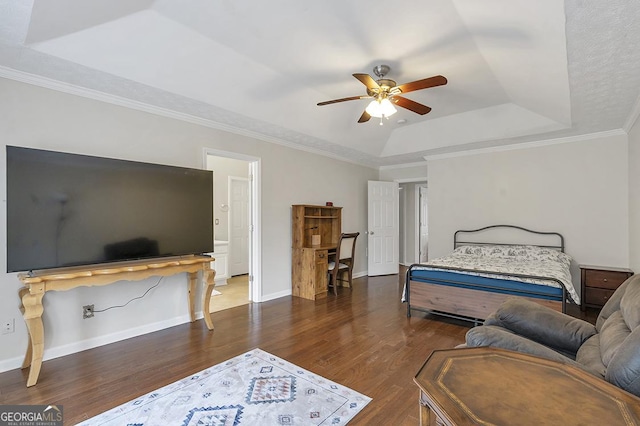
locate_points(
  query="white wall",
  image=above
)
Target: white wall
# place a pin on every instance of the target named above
(405, 173)
(42, 118)
(634, 197)
(580, 189)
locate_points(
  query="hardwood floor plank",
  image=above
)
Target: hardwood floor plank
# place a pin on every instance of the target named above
(361, 339)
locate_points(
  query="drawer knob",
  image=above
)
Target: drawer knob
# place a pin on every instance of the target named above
(605, 280)
(321, 256)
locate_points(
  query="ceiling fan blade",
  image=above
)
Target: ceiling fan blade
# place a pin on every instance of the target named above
(335, 101)
(367, 80)
(364, 117)
(410, 105)
(434, 81)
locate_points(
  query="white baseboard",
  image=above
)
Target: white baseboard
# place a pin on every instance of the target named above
(276, 295)
(10, 364)
(83, 345)
(71, 348)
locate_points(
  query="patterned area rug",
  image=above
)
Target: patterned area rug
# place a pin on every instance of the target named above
(255, 388)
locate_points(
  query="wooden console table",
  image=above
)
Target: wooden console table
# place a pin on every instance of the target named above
(491, 386)
(37, 284)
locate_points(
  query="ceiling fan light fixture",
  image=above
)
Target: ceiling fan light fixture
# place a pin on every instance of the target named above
(381, 108)
(383, 89)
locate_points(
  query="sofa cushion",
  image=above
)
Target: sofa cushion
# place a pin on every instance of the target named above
(613, 304)
(497, 337)
(551, 328)
(624, 368)
(589, 356)
(612, 334)
(492, 320)
(630, 304)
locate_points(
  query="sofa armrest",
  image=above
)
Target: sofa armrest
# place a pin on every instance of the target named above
(500, 338)
(543, 325)
(624, 368)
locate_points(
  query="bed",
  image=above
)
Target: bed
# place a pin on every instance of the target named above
(478, 275)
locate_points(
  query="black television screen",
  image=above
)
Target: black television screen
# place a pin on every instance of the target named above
(68, 210)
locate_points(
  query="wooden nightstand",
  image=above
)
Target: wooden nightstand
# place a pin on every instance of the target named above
(599, 283)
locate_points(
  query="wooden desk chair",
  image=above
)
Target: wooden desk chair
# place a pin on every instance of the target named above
(343, 260)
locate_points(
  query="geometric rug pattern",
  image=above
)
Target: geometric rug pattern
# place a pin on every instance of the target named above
(255, 388)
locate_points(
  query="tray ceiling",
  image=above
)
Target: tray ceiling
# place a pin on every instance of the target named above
(518, 71)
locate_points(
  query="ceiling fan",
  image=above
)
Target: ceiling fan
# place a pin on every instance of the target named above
(385, 93)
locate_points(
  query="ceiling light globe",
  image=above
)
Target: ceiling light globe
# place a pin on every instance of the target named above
(379, 109)
(387, 108)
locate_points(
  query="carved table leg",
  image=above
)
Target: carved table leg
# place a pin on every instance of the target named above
(27, 357)
(193, 280)
(208, 275)
(427, 416)
(32, 312)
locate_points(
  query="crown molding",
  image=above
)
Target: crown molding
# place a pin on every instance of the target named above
(404, 166)
(418, 179)
(527, 145)
(48, 83)
(633, 116)
(71, 89)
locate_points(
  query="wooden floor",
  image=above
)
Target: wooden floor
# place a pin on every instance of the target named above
(234, 293)
(361, 339)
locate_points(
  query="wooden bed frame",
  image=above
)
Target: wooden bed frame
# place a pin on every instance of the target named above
(475, 304)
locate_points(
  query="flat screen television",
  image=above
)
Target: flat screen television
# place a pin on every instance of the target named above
(68, 210)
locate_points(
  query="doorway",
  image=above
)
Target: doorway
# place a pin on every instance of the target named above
(422, 224)
(413, 214)
(236, 228)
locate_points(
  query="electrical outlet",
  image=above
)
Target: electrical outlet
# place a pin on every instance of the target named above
(8, 326)
(87, 311)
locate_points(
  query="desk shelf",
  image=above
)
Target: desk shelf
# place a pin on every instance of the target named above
(311, 224)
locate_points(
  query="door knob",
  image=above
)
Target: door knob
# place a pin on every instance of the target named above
(370, 232)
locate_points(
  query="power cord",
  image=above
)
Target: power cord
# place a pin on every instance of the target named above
(135, 298)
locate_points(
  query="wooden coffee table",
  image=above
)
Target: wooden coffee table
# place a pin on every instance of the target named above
(491, 386)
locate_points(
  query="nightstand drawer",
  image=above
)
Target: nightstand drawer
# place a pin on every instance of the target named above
(598, 296)
(604, 279)
(598, 284)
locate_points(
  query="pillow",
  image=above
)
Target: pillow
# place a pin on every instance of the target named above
(516, 252)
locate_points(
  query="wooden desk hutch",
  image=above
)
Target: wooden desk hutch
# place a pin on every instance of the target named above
(315, 233)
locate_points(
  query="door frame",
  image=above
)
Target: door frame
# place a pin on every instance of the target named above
(418, 199)
(255, 226)
(403, 237)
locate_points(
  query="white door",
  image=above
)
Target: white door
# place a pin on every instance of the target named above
(382, 246)
(424, 230)
(238, 226)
